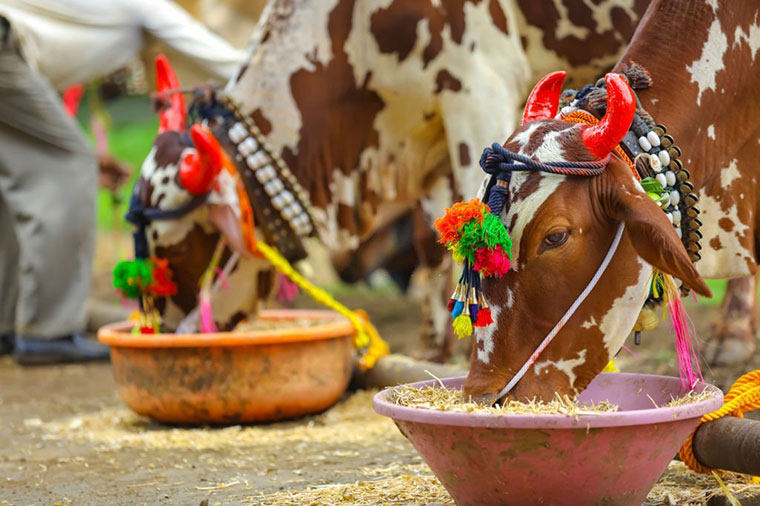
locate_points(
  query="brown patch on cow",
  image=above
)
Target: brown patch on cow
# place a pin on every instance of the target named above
(165, 180)
(715, 243)
(444, 80)
(160, 197)
(497, 16)
(262, 121)
(187, 260)
(545, 16)
(428, 116)
(395, 27)
(330, 100)
(726, 224)
(169, 146)
(464, 154)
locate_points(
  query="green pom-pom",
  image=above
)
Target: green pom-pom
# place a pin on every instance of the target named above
(462, 326)
(489, 233)
(495, 234)
(132, 277)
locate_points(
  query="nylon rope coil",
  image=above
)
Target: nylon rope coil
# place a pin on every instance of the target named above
(743, 396)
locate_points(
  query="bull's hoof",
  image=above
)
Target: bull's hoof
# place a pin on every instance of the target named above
(729, 351)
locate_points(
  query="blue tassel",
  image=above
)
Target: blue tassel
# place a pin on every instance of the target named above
(474, 312)
(458, 308)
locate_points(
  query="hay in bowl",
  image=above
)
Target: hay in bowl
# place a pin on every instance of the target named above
(441, 398)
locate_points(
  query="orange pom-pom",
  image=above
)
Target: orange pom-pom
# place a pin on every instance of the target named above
(456, 216)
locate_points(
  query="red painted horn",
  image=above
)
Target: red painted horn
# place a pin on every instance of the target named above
(544, 99)
(198, 170)
(601, 139)
(174, 116)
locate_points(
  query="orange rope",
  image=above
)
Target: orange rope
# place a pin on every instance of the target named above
(743, 396)
(587, 118)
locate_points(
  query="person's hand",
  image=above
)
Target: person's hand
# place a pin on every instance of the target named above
(112, 173)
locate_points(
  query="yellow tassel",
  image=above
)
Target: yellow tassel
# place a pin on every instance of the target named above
(611, 367)
(462, 326)
(367, 338)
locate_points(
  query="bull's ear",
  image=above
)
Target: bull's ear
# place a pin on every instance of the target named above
(650, 231)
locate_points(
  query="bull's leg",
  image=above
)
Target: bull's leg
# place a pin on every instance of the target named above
(733, 332)
(437, 286)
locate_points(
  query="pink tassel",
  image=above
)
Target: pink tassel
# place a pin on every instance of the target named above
(222, 277)
(633, 353)
(688, 363)
(207, 316)
(286, 289)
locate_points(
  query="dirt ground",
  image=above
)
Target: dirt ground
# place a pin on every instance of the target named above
(66, 438)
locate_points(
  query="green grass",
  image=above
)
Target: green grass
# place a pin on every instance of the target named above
(130, 137)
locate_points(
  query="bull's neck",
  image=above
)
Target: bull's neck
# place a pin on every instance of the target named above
(703, 90)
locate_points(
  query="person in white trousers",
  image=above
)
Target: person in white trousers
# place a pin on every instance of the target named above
(48, 173)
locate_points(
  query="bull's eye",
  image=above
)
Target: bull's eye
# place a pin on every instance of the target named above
(556, 239)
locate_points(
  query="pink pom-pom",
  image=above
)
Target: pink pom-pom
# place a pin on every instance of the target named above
(491, 261)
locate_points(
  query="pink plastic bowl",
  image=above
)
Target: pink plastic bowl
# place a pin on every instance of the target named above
(613, 458)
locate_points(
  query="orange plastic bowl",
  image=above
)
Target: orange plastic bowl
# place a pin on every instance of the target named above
(234, 377)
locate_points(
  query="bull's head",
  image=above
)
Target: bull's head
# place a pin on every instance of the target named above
(561, 228)
(185, 167)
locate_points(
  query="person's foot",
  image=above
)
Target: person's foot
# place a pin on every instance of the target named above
(6, 344)
(73, 348)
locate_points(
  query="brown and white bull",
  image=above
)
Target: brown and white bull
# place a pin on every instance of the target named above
(368, 103)
(705, 90)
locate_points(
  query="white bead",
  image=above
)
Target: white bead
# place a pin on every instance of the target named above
(237, 133)
(265, 173)
(678, 282)
(675, 197)
(661, 179)
(677, 218)
(678, 231)
(670, 178)
(273, 187)
(655, 163)
(670, 217)
(256, 160)
(644, 143)
(664, 157)
(287, 197)
(653, 138)
(278, 202)
(248, 146)
(288, 213)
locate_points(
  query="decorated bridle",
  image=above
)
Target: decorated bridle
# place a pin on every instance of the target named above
(268, 188)
(477, 236)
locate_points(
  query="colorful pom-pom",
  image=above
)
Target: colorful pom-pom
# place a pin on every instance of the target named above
(458, 308)
(456, 216)
(473, 312)
(462, 326)
(450, 305)
(484, 317)
(132, 277)
(161, 285)
(491, 261)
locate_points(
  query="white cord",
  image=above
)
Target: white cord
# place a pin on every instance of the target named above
(561, 323)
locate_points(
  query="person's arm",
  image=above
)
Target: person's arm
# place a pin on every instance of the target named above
(173, 26)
